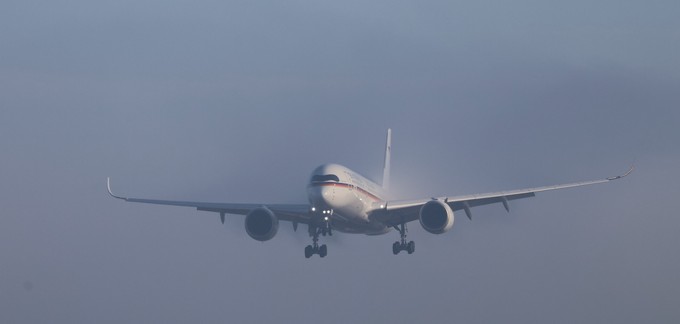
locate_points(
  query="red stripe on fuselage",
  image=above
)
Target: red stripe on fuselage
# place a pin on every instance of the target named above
(345, 185)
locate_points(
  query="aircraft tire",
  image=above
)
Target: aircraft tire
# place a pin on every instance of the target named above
(396, 248)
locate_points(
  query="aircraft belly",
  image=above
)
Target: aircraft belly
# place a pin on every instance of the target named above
(355, 228)
(349, 222)
(352, 210)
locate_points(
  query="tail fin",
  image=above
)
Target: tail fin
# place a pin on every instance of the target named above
(386, 168)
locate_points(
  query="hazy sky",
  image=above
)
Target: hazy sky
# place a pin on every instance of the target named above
(237, 101)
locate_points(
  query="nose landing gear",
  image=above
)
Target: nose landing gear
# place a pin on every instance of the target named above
(326, 228)
(402, 245)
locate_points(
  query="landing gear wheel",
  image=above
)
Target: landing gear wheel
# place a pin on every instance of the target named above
(402, 245)
(411, 247)
(315, 248)
(396, 248)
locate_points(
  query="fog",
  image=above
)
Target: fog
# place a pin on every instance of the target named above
(238, 101)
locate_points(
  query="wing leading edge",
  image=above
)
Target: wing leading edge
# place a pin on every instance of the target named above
(298, 213)
(396, 212)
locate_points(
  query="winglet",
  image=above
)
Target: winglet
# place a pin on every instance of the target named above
(108, 187)
(632, 167)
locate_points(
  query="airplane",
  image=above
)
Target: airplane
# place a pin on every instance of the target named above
(343, 200)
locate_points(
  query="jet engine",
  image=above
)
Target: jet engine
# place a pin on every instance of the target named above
(262, 224)
(436, 217)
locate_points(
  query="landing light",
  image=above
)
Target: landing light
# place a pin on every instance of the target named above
(313, 208)
(325, 218)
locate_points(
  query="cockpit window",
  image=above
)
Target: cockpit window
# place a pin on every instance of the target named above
(325, 177)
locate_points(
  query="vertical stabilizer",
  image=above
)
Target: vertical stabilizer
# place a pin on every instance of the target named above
(386, 168)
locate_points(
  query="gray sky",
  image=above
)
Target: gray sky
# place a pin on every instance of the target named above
(240, 100)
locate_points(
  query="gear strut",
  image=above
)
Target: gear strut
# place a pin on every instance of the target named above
(402, 245)
(314, 232)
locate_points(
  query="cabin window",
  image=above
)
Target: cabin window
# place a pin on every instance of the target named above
(325, 177)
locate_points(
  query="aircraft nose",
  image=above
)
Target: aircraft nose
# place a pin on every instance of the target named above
(323, 195)
(327, 193)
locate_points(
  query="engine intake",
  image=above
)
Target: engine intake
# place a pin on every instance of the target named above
(262, 224)
(436, 217)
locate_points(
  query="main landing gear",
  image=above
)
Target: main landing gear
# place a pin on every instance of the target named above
(314, 232)
(401, 245)
(315, 248)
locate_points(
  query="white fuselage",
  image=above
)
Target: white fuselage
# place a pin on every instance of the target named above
(346, 198)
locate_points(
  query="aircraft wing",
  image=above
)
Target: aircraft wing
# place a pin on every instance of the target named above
(396, 212)
(298, 213)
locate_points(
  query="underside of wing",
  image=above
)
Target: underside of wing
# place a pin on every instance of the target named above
(396, 212)
(298, 213)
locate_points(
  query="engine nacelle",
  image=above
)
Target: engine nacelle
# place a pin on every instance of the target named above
(262, 224)
(436, 217)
